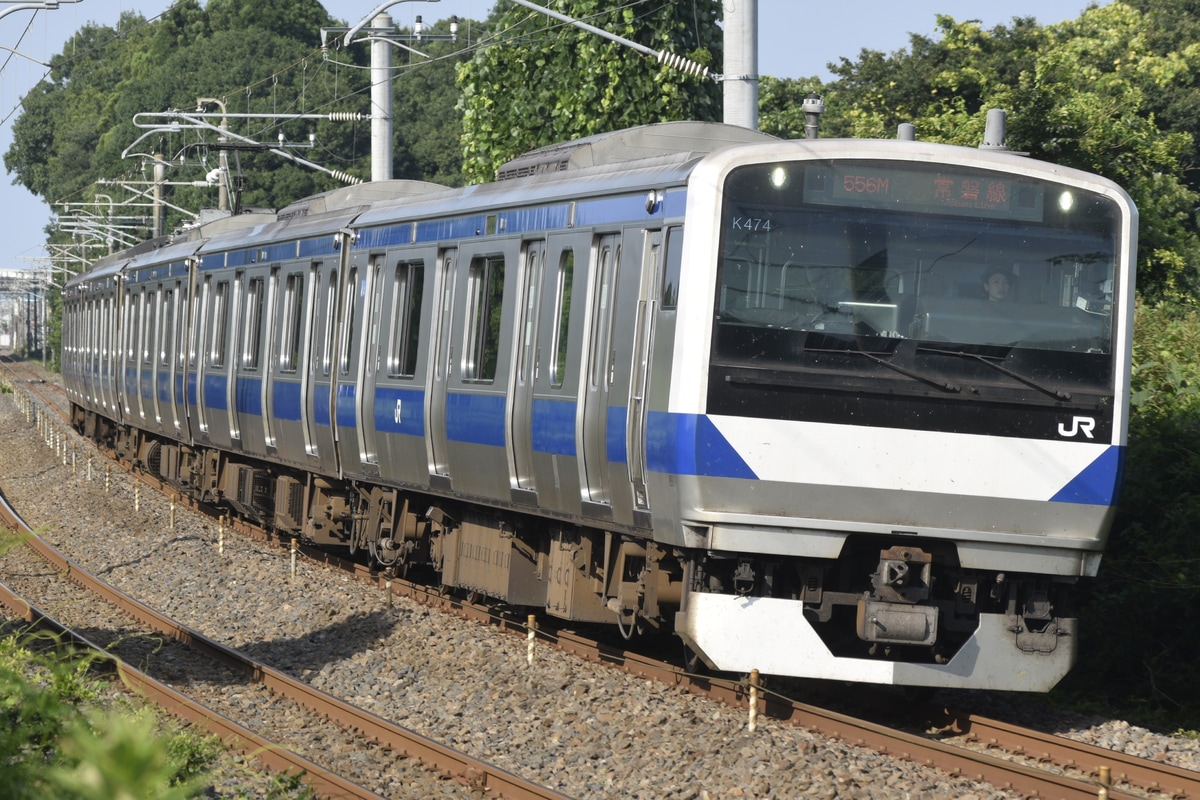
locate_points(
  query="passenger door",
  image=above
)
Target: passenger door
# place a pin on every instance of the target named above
(439, 368)
(643, 341)
(524, 373)
(368, 365)
(599, 371)
(319, 398)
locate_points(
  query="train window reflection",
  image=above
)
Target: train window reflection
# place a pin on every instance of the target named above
(485, 294)
(408, 292)
(566, 275)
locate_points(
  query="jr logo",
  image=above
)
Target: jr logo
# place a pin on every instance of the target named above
(1084, 425)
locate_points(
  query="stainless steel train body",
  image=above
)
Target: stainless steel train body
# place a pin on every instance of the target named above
(682, 377)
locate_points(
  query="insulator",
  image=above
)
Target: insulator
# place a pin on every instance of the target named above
(685, 65)
(345, 177)
(345, 116)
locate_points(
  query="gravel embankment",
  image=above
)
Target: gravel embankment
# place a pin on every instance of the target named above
(586, 730)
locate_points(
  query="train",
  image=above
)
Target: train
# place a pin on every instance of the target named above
(685, 379)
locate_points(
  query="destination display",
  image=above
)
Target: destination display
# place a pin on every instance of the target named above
(870, 184)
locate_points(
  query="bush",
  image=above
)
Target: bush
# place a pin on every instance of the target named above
(59, 741)
(1140, 618)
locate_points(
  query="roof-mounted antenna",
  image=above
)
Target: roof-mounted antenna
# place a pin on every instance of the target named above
(813, 107)
(995, 133)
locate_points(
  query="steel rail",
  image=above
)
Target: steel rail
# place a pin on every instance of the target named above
(235, 736)
(462, 767)
(1143, 773)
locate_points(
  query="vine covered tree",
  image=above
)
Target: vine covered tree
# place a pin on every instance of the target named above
(543, 81)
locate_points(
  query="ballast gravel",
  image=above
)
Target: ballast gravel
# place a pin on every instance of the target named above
(586, 730)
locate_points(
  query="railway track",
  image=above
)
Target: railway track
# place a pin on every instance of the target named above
(474, 775)
(1021, 760)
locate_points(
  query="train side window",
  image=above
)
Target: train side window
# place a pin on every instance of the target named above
(179, 314)
(199, 310)
(131, 314)
(220, 336)
(106, 328)
(166, 327)
(348, 323)
(293, 319)
(406, 319)
(674, 267)
(485, 295)
(562, 312)
(147, 342)
(330, 327)
(254, 306)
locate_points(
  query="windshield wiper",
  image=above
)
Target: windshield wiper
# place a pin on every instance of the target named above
(945, 386)
(1057, 394)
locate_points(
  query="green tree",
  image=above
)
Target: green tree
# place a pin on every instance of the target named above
(780, 104)
(544, 81)
(427, 114)
(298, 20)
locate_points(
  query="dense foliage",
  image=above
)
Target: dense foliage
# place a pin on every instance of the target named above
(58, 738)
(1141, 653)
(550, 82)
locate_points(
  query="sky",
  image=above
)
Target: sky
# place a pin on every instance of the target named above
(796, 39)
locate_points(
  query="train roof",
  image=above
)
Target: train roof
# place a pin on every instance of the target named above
(684, 140)
(661, 153)
(648, 155)
(357, 196)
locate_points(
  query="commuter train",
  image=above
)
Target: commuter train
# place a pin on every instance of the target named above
(684, 378)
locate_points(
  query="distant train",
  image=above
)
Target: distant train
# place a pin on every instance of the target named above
(684, 377)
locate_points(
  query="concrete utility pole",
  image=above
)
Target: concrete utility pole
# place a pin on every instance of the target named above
(741, 63)
(381, 101)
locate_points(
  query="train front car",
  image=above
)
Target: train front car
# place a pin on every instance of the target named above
(898, 409)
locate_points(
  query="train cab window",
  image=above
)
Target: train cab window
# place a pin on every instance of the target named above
(293, 319)
(673, 268)
(252, 346)
(562, 312)
(216, 353)
(485, 295)
(406, 320)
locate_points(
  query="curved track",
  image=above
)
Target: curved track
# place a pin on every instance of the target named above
(477, 774)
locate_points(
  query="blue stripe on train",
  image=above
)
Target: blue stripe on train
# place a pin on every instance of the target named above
(689, 444)
(214, 392)
(475, 418)
(321, 405)
(554, 427)
(400, 411)
(1096, 485)
(248, 396)
(285, 400)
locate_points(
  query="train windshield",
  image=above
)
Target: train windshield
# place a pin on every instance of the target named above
(898, 259)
